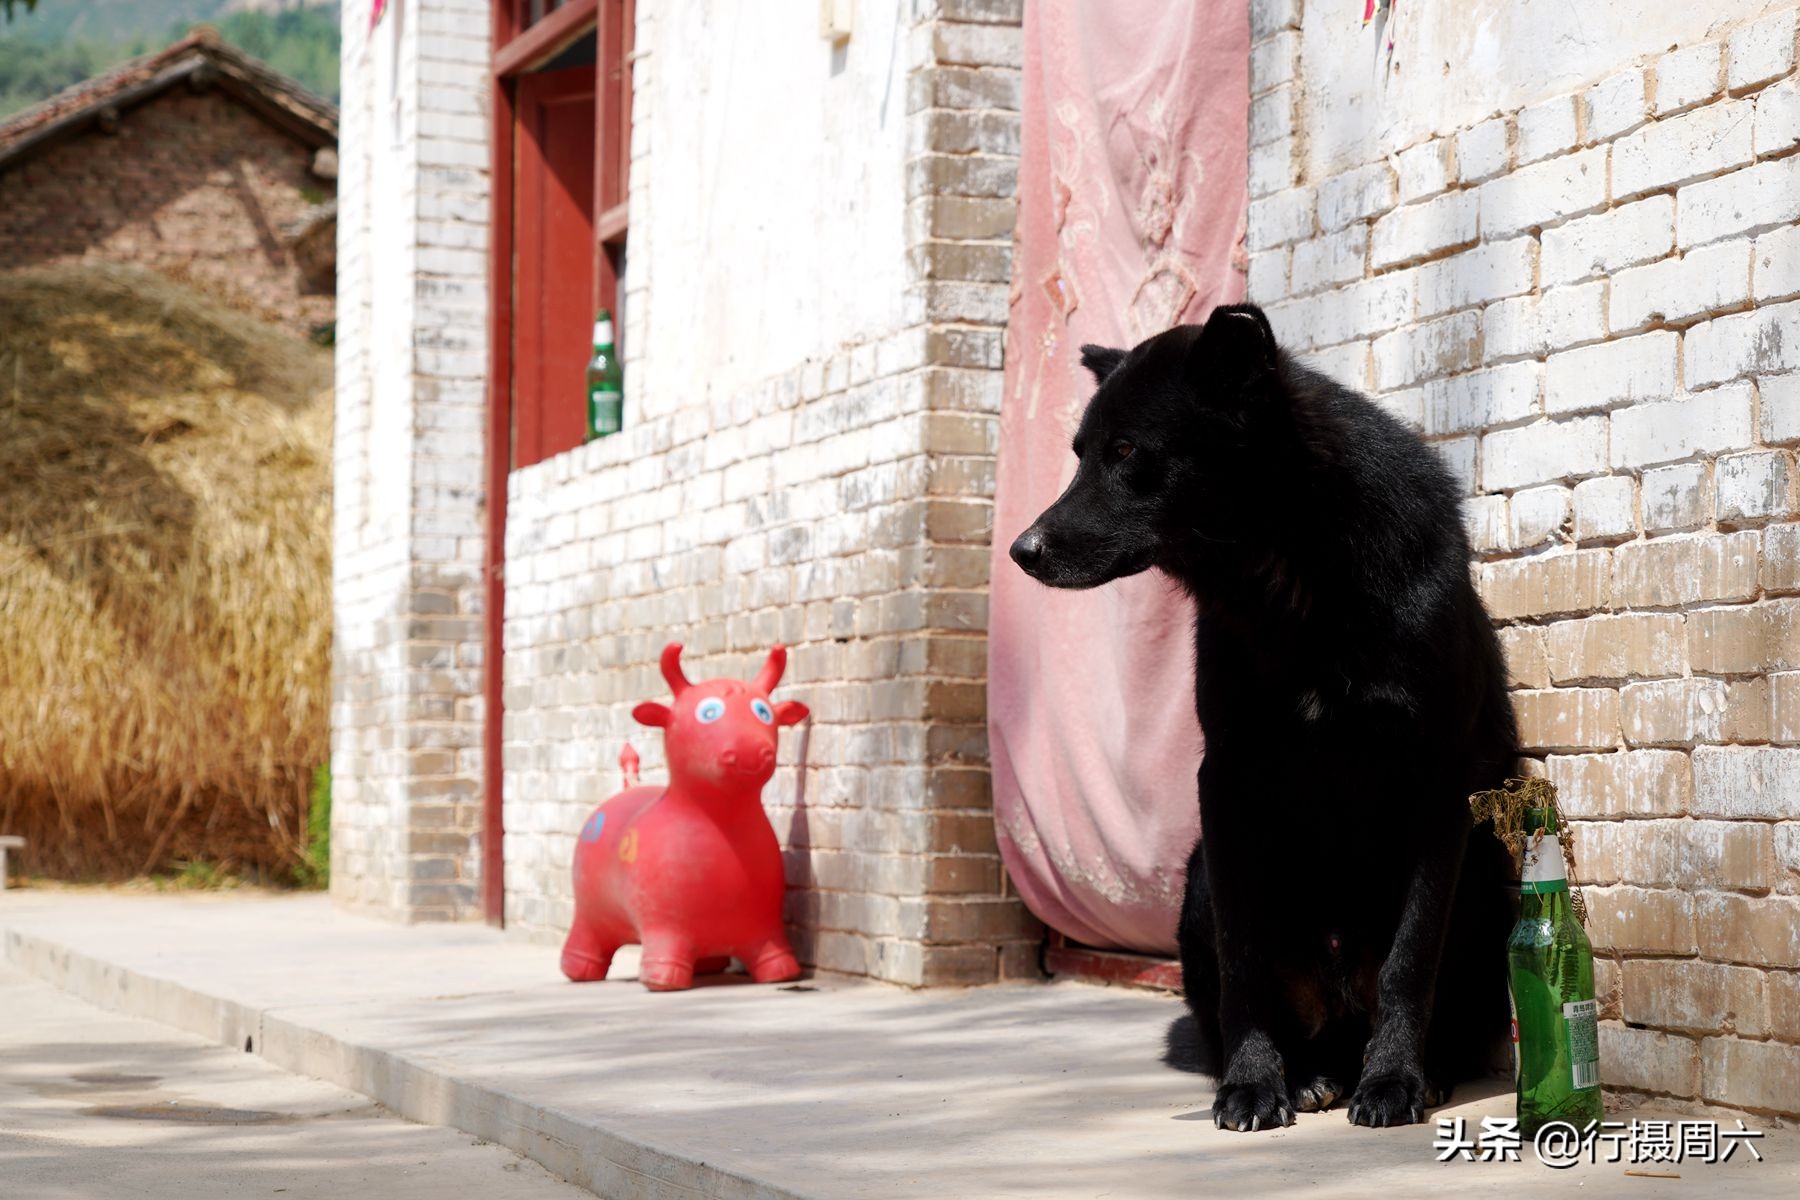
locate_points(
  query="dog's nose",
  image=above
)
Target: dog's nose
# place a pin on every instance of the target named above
(1028, 548)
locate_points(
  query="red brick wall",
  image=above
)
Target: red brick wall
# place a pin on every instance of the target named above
(194, 186)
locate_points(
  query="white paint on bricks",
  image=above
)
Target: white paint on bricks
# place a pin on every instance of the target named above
(1707, 422)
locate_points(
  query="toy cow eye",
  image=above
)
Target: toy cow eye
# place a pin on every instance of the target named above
(710, 710)
(763, 712)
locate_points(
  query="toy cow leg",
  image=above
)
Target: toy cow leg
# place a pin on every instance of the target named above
(771, 960)
(603, 920)
(587, 955)
(668, 961)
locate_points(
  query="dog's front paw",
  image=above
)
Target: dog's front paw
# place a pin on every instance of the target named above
(1389, 1098)
(1246, 1107)
(1318, 1095)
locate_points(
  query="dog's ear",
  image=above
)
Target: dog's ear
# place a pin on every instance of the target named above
(1236, 347)
(1101, 361)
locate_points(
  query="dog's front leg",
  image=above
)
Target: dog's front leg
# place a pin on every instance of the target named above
(1393, 1089)
(1253, 1091)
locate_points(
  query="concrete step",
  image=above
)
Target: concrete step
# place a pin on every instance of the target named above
(736, 1090)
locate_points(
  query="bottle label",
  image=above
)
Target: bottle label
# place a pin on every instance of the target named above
(606, 411)
(1543, 869)
(1583, 1017)
(603, 334)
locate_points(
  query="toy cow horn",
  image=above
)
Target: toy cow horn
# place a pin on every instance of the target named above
(770, 675)
(671, 668)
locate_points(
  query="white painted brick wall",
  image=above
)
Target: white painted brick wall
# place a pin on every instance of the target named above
(1676, 290)
(1780, 408)
(1764, 341)
(1754, 486)
(1776, 263)
(1425, 170)
(1696, 144)
(1609, 359)
(1704, 423)
(1283, 217)
(1331, 259)
(1547, 129)
(1538, 516)
(1778, 117)
(1440, 347)
(1616, 105)
(1551, 320)
(1607, 242)
(1544, 193)
(1689, 76)
(1676, 498)
(1541, 453)
(1747, 201)
(1483, 151)
(1610, 373)
(1605, 508)
(1490, 271)
(411, 364)
(1503, 395)
(1419, 230)
(1761, 51)
(1355, 195)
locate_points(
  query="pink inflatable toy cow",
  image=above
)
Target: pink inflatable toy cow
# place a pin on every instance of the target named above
(692, 871)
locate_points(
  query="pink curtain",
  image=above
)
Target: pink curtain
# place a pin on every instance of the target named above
(1131, 212)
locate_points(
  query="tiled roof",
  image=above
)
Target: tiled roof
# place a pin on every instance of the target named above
(201, 60)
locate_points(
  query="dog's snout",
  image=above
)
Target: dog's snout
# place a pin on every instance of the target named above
(1028, 548)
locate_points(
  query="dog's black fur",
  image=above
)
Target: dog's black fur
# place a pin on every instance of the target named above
(1343, 932)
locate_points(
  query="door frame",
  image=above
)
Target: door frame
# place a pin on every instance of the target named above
(520, 46)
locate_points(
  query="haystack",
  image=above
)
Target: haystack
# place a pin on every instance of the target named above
(164, 576)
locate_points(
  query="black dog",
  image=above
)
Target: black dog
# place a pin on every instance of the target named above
(1344, 927)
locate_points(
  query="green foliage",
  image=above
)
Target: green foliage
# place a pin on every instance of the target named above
(30, 72)
(315, 872)
(197, 876)
(301, 43)
(47, 47)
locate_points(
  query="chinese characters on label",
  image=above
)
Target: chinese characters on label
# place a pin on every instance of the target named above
(1561, 1144)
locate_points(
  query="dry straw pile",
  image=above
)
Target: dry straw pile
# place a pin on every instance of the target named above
(164, 576)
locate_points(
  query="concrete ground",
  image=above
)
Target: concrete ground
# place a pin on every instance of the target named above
(95, 1106)
(734, 1090)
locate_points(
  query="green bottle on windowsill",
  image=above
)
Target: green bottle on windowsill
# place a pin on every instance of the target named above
(605, 382)
(1551, 968)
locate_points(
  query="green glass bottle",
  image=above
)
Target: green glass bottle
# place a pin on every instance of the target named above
(1556, 1051)
(605, 382)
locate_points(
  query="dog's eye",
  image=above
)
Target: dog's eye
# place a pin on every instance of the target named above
(1122, 451)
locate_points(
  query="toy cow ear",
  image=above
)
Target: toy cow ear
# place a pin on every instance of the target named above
(770, 675)
(671, 669)
(651, 713)
(790, 712)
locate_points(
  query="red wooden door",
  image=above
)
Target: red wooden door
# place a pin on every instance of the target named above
(556, 252)
(553, 261)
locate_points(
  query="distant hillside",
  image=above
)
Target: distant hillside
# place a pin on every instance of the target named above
(62, 42)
